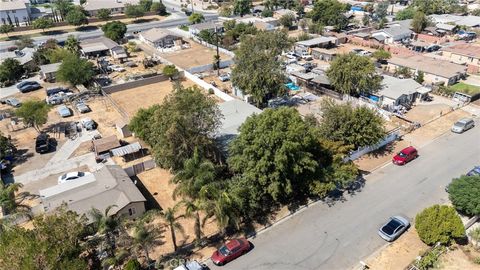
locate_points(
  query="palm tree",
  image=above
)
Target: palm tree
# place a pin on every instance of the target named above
(192, 210)
(117, 260)
(145, 234)
(106, 224)
(171, 218)
(72, 44)
(12, 202)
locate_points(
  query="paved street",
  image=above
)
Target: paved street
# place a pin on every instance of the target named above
(338, 237)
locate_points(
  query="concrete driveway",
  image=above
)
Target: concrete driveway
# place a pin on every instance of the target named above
(339, 236)
(12, 90)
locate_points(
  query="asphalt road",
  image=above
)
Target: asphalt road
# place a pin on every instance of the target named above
(178, 18)
(338, 237)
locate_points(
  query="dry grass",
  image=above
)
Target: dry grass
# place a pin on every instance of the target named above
(196, 55)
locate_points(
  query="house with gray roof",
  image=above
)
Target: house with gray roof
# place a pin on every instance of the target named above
(397, 91)
(102, 46)
(48, 72)
(108, 186)
(23, 56)
(160, 38)
(318, 42)
(16, 12)
(115, 6)
(392, 34)
(468, 21)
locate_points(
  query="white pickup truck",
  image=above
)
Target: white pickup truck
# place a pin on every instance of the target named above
(191, 265)
(306, 56)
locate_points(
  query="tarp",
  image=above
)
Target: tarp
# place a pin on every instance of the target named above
(127, 149)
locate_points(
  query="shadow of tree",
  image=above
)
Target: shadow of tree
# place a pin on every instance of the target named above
(53, 32)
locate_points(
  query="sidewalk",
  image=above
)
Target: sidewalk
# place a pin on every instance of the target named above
(71, 28)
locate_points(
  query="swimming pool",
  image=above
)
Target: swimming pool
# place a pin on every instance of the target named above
(292, 86)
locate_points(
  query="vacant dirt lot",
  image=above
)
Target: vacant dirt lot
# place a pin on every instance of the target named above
(133, 99)
(196, 55)
(459, 259)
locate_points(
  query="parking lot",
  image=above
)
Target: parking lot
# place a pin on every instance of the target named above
(196, 55)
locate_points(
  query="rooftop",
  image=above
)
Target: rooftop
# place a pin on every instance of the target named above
(316, 41)
(469, 21)
(108, 4)
(465, 49)
(50, 68)
(429, 65)
(97, 44)
(12, 5)
(396, 30)
(156, 34)
(108, 186)
(23, 56)
(394, 88)
(105, 144)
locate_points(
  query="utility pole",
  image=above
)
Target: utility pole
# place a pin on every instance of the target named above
(218, 54)
(191, 1)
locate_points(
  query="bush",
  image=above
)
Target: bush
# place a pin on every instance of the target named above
(430, 258)
(133, 264)
(210, 91)
(476, 260)
(439, 223)
(475, 234)
(464, 192)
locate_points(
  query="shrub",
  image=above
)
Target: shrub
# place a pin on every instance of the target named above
(464, 192)
(210, 91)
(475, 234)
(430, 258)
(476, 260)
(439, 223)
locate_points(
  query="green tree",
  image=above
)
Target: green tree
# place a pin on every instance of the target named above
(405, 14)
(72, 44)
(475, 12)
(267, 13)
(146, 5)
(42, 23)
(146, 234)
(6, 28)
(419, 22)
(52, 243)
(439, 223)
(196, 18)
(225, 11)
(287, 20)
(6, 146)
(259, 53)
(224, 205)
(75, 70)
(420, 77)
(12, 201)
(381, 55)
(359, 126)
(76, 17)
(33, 113)
(316, 28)
(275, 158)
(59, 54)
(352, 74)
(366, 20)
(63, 6)
(141, 123)
(170, 71)
(106, 225)
(330, 12)
(24, 42)
(207, 36)
(464, 192)
(134, 11)
(133, 264)
(104, 14)
(187, 119)
(10, 71)
(159, 8)
(241, 7)
(403, 71)
(114, 30)
(170, 217)
(382, 9)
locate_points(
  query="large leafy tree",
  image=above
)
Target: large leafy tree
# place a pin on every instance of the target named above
(355, 126)
(405, 14)
(330, 12)
(351, 74)
(134, 11)
(114, 30)
(187, 119)
(241, 7)
(464, 192)
(196, 18)
(258, 53)
(276, 158)
(439, 223)
(141, 123)
(104, 14)
(75, 70)
(10, 71)
(159, 8)
(12, 201)
(436, 6)
(419, 22)
(146, 5)
(53, 243)
(381, 55)
(42, 23)
(33, 113)
(287, 20)
(76, 16)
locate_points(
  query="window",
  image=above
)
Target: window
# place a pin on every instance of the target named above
(131, 211)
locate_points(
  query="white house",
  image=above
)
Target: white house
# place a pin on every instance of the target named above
(392, 34)
(160, 38)
(16, 12)
(115, 6)
(397, 91)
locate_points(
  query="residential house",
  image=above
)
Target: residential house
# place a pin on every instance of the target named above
(115, 6)
(395, 92)
(23, 56)
(392, 34)
(319, 42)
(444, 28)
(48, 72)
(106, 187)
(464, 53)
(468, 21)
(101, 46)
(210, 26)
(16, 12)
(160, 38)
(325, 54)
(435, 71)
(282, 12)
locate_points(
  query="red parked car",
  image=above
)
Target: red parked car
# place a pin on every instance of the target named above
(230, 251)
(405, 156)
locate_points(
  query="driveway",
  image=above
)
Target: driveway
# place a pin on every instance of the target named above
(12, 90)
(339, 236)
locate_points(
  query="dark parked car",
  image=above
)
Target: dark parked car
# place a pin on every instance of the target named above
(394, 228)
(230, 251)
(474, 172)
(405, 156)
(27, 86)
(42, 143)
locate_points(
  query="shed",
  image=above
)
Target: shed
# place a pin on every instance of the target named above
(128, 152)
(102, 147)
(122, 129)
(49, 72)
(319, 42)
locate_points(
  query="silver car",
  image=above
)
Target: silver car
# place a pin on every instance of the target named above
(394, 228)
(463, 125)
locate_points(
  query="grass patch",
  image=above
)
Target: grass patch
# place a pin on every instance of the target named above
(468, 89)
(183, 27)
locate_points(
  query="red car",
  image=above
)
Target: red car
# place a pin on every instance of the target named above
(405, 156)
(230, 251)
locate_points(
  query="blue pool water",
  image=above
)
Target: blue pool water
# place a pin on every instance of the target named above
(292, 86)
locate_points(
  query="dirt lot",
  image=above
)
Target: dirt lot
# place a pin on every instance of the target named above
(196, 55)
(133, 99)
(424, 113)
(373, 160)
(460, 258)
(400, 253)
(137, 58)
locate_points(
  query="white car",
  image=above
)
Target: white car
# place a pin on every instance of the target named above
(116, 68)
(71, 176)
